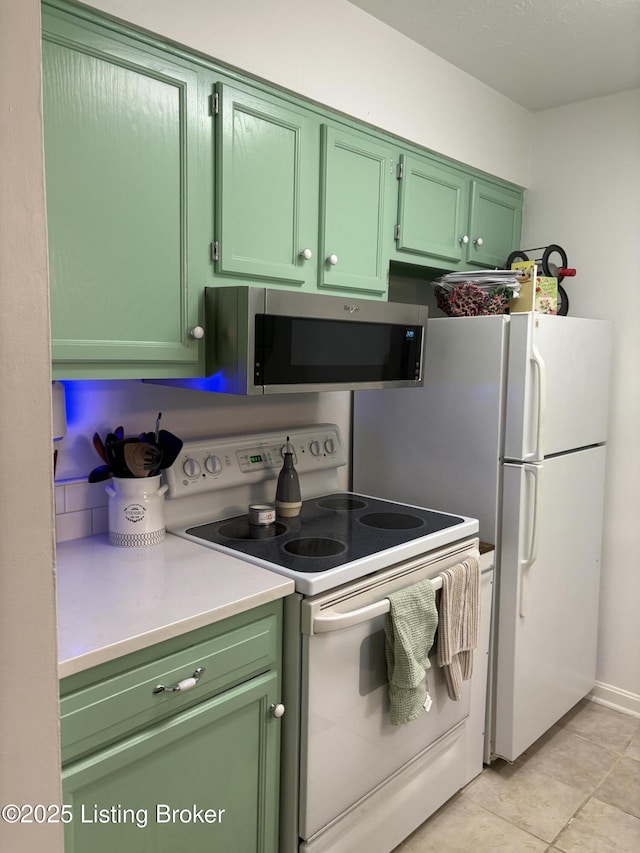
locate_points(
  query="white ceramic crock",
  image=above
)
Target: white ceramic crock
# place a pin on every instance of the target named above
(136, 511)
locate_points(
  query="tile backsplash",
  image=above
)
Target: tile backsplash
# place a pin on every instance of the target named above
(81, 509)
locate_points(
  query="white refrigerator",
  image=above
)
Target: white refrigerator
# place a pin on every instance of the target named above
(510, 428)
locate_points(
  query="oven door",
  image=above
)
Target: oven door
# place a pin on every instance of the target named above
(348, 746)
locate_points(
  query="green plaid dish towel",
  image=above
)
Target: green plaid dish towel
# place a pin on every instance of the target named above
(409, 629)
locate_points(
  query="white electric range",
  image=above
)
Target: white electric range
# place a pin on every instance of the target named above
(342, 760)
(338, 536)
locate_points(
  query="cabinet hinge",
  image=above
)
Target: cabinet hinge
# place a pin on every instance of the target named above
(400, 172)
(215, 249)
(214, 104)
(396, 235)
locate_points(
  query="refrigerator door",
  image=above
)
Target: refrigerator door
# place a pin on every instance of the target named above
(558, 396)
(439, 446)
(548, 594)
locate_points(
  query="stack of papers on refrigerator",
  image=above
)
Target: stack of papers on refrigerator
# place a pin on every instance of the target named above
(486, 280)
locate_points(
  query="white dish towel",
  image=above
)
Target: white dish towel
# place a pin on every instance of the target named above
(459, 620)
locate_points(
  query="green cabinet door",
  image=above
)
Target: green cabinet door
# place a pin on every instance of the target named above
(433, 206)
(121, 131)
(495, 222)
(204, 781)
(449, 219)
(266, 188)
(355, 180)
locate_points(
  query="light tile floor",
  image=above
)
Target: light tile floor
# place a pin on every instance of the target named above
(576, 790)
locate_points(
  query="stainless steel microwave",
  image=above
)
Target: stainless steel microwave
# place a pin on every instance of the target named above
(265, 341)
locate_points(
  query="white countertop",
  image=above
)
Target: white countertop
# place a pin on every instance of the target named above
(112, 601)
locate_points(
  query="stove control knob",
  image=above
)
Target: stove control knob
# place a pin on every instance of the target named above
(314, 447)
(277, 710)
(330, 446)
(191, 468)
(212, 465)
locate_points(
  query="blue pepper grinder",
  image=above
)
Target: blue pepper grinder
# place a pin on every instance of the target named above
(288, 500)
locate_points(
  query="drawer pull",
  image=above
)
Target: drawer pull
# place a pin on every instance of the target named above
(181, 686)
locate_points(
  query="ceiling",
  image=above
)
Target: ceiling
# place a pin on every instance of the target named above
(539, 53)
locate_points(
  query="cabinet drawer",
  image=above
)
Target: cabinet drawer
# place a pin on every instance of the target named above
(112, 707)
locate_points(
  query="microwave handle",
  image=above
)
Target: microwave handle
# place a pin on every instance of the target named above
(336, 621)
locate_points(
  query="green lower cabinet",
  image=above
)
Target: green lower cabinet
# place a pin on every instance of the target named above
(355, 210)
(448, 219)
(122, 132)
(205, 780)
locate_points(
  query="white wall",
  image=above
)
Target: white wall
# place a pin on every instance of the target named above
(585, 196)
(29, 754)
(336, 54)
(101, 406)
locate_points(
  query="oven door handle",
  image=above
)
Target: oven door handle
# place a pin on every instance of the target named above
(323, 624)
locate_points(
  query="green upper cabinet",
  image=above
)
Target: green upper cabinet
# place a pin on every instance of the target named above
(433, 208)
(124, 205)
(495, 222)
(355, 177)
(448, 218)
(298, 203)
(166, 173)
(266, 188)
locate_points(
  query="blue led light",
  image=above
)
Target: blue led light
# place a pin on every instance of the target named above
(76, 400)
(215, 382)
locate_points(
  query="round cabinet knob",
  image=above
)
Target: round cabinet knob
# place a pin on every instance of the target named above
(333, 260)
(197, 333)
(330, 446)
(191, 468)
(277, 710)
(306, 254)
(478, 241)
(314, 447)
(464, 239)
(212, 465)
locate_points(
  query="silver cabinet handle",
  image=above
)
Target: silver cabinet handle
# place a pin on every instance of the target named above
(306, 254)
(181, 686)
(478, 241)
(197, 333)
(464, 239)
(277, 710)
(333, 260)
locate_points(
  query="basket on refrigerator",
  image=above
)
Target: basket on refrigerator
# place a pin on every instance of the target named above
(476, 293)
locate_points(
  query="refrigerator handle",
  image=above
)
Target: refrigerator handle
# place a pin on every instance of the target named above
(541, 386)
(529, 560)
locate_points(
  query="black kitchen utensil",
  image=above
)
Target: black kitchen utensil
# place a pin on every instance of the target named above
(115, 456)
(170, 445)
(102, 472)
(99, 447)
